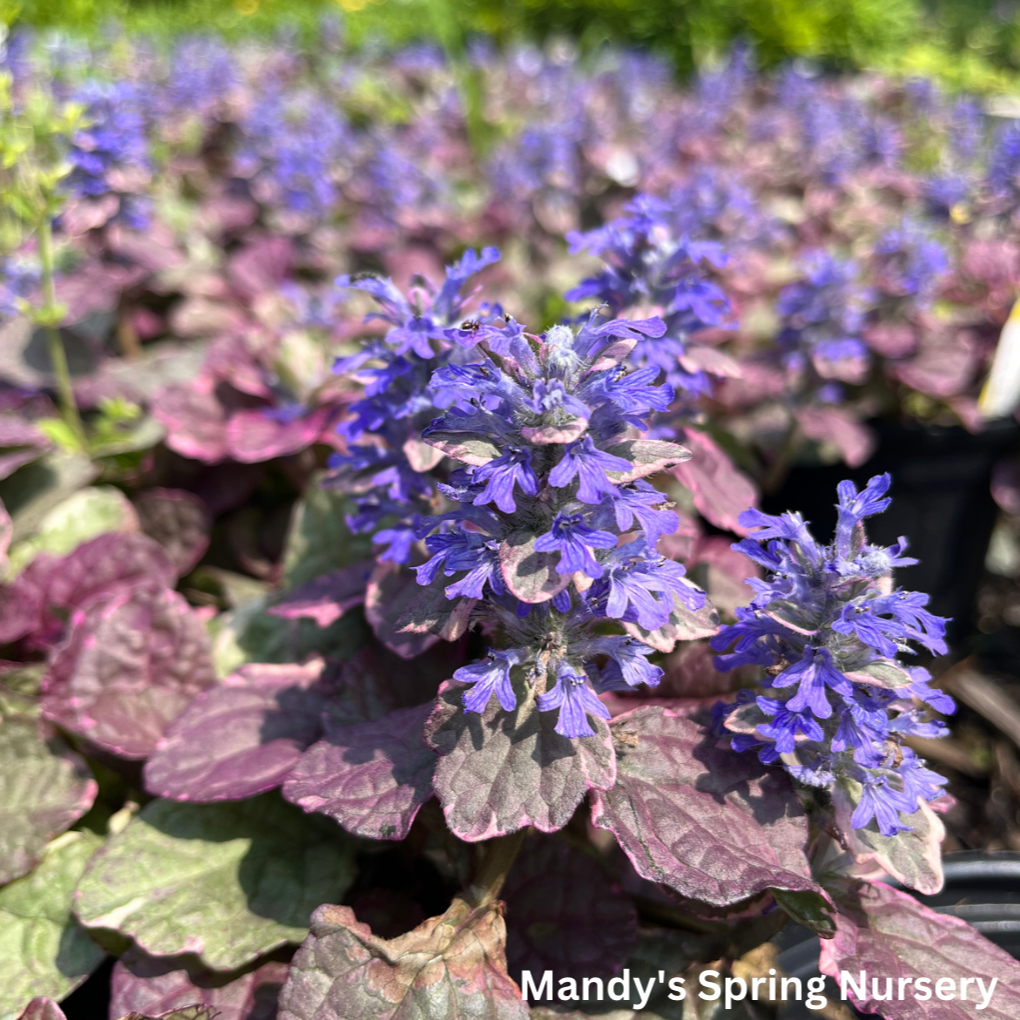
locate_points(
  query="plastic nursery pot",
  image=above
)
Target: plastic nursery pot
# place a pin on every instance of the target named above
(982, 888)
(941, 502)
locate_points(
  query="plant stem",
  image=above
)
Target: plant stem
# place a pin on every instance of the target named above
(498, 856)
(58, 357)
(780, 466)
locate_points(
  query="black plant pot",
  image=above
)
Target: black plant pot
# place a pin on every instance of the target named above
(982, 888)
(942, 503)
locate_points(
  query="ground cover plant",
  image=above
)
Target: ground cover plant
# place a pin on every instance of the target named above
(388, 610)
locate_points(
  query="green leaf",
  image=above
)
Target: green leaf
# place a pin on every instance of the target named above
(319, 540)
(43, 950)
(34, 490)
(79, 518)
(810, 909)
(44, 789)
(227, 881)
(250, 634)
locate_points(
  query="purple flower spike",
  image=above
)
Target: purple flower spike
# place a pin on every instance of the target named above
(575, 699)
(575, 541)
(828, 629)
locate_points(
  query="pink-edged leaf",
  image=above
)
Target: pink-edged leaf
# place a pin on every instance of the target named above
(94, 287)
(726, 569)
(371, 778)
(409, 618)
(888, 935)
(42, 1009)
(913, 858)
(551, 435)
(684, 625)
(194, 419)
(145, 984)
(649, 457)
(712, 824)
(945, 363)
(531, 576)
(178, 521)
(711, 360)
(130, 664)
(721, 492)
(254, 435)
(420, 455)
(833, 425)
(44, 789)
(449, 966)
(614, 354)
(241, 737)
(107, 563)
(328, 597)
(501, 771)
(467, 447)
(261, 266)
(565, 914)
(11, 460)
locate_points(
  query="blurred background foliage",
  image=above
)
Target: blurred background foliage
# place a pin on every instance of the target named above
(967, 44)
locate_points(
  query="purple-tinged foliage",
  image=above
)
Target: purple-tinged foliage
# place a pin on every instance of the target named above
(827, 625)
(564, 914)
(882, 932)
(343, 969)
(149, 985)
(698, 818)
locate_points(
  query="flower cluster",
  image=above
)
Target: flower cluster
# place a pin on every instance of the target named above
(110, 155)
(386, 464)
(554, 529)
(822, 318)
(647, 267)
(827, 625)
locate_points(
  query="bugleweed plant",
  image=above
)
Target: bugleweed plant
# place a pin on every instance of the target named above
(404, 667)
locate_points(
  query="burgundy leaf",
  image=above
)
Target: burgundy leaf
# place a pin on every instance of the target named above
(179, 522)
(255, 435)
(261, 266)
(726, 571)
(501, 771)
(151, 985)
(531, 576)
(889, 936)
(429, 611)
(242, 736)
(649, 457)
(371, 778)
(375, 682)
(328, 597)
(94, 287)
(565, 914)
(105, 564)
(44, 789)
(195, 420)
(449, 966)
(391, 590)
(721, 493)
(712, 824)
(838, 427)
(131, 662)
